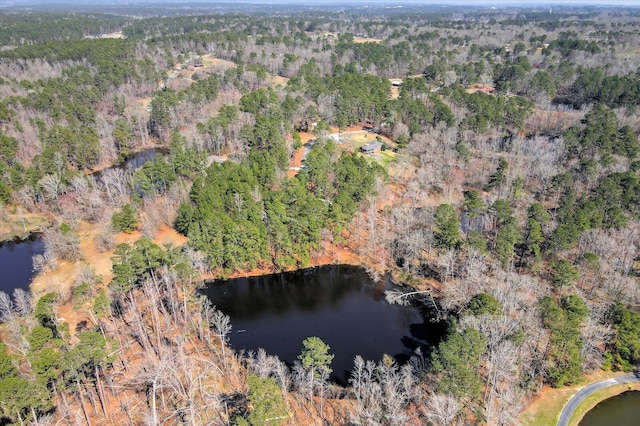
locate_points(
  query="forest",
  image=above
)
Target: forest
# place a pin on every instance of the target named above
(502, 192)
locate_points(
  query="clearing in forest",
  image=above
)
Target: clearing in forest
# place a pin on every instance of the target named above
(367, 40)
(213, 64)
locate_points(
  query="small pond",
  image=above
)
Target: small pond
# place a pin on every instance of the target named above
(133, 162)
(620, 410)
(338, 303)
(16, 263)
(137, 160)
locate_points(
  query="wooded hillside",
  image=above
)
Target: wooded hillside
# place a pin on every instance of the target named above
(164, 148)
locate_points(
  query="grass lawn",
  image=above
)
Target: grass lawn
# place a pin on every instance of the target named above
(545, 409)
(352, 142)
(597, 397)
(385, 158)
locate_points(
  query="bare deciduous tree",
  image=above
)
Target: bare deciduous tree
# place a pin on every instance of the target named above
(221, 324)
(44, 262)
(51, 186)
(6, 307)
(23, 302)
(366, 390)
(442, 409)
(62, 244)
(115, 182)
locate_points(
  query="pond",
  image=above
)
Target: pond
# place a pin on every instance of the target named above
(16, 263)
(137, 160)
(620, 410)
(133, 162)
(338, 303)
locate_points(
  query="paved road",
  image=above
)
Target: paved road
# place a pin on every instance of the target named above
(576, 399)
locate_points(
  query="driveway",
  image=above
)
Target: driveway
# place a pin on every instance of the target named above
(580, 396)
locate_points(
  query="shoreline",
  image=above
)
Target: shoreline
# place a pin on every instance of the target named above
(160, 146)
(329, 254)
(346, 257)
(17, 239)
(21, 227)
(601, 395)
(544, 408)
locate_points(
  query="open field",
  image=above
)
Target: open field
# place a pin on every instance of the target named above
(366, 40)
(214, 64)
(277, 80)
(351, 140)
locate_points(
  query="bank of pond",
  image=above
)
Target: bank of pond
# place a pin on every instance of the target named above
(620, 410)
(133, 162)
(16, 257)
(340, 304)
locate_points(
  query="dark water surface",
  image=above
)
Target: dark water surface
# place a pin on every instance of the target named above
(16, 264)
(137, 160)
(338, 303)
(621, 410)
(133, 162)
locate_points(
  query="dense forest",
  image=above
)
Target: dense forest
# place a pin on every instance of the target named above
(503, 192)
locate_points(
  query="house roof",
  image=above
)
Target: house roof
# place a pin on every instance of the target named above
(371, 146)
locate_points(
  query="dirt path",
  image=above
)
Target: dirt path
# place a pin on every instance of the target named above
(301, 154)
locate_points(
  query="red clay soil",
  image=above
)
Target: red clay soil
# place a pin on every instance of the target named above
(62, 279)
(296, 161)
(329, 254)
